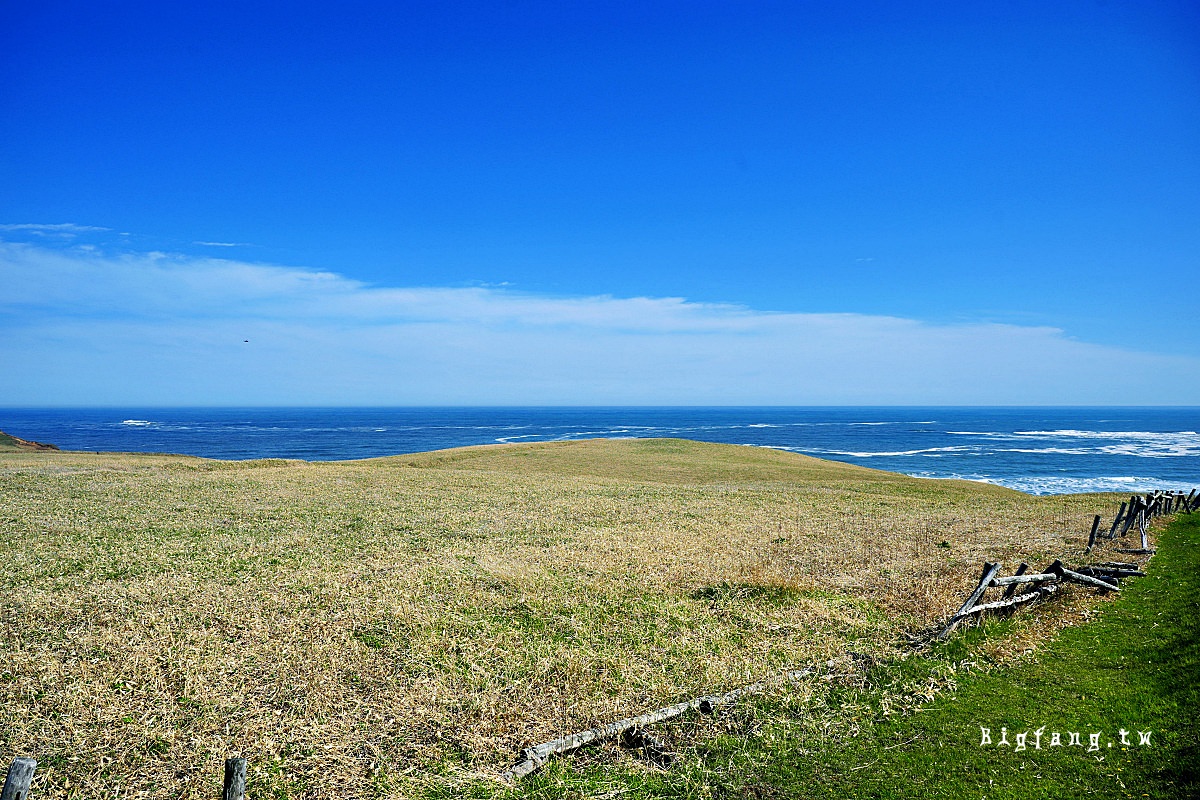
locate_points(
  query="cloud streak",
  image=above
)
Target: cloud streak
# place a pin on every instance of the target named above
(59, 229)
(87, 328)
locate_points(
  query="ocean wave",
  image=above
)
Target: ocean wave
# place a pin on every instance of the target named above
(1152, 435)
(137, 423)
(507, 439)
(1138, 444)
(1142, 444)
(925, 451)
(1060, 484)
(1061, 451)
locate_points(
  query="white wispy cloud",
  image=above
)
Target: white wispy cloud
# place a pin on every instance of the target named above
(64, 229)
(223, 244)
(161, 328)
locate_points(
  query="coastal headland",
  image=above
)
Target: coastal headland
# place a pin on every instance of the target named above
(8, 442)
(406, 625)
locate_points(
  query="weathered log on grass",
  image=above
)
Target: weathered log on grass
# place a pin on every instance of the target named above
(20, 776)
(536, 756)
(1028, 597)
(1088, 580)
(1012, 587)
(1111, 572)
(1137, 551)
(1045, 576)
(989, 572)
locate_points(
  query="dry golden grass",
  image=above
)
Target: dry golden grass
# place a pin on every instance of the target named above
(373, 628)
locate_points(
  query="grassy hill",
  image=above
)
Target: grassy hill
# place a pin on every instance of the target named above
(405, 625)
(8, 442)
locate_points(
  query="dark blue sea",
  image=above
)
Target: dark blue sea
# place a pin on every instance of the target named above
(1036, 450)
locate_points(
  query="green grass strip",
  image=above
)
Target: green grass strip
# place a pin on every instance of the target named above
(1135, 669)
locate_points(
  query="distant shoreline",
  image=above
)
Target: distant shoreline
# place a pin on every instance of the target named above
(1035, 450)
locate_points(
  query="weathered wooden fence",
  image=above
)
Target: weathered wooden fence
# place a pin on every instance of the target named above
(1139, 510)
(1136, 514)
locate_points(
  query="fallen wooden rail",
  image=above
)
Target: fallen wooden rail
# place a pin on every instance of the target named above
(1045, 576)
(534, 757)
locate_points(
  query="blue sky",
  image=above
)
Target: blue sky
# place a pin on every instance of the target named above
(543, 203)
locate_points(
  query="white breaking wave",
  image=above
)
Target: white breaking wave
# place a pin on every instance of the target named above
(507, 439)
(1062, 451)
(1059, 484)
(1139, 444)
(137, 423)
(1108, 434)
(868, 454)
(1143, 444)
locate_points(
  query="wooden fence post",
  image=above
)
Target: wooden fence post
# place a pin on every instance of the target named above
(235, 779)
(1112, 532)
(1135, 504)
(1012, 587)
(1092, 535)
(989, 572)
(20, 775)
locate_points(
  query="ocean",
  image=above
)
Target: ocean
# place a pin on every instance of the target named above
(1035, 450)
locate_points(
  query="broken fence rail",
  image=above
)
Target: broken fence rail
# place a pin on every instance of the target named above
(1138, 511)
(538, 755)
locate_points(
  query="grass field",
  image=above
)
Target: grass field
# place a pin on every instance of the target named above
(1106, 709)
(403, 626)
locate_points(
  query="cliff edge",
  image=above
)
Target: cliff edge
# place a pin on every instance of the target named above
(13, 443)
